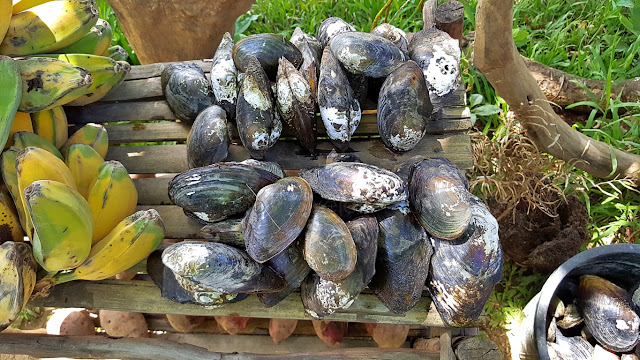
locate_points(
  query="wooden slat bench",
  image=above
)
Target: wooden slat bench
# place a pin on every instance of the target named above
(138, 118)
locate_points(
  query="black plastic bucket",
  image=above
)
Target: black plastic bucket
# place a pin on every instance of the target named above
(619, 263)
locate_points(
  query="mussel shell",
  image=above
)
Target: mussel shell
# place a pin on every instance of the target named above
(171, 289)
(404, 108)
(331, 27)
(228, 232)
(292, 267)
(268, 49)
(208, 140)
(402, 262)
(366, 54)
(570, 318)
(328, 246)
(574, 347)
(310, 67)
(301, 39)
(206, 296)
(216, 192)
(220, 268)
(223, 77)
(360, 86)
(258, 127)
(464, 271)
(277, 218)
(608, 313)
(335, 156)
(439, 57)
(439, 198)
(404, 169)
(169, 69)
(322, 297)
(188, 92)
(270, 166)
(297, 105)
(340, 110)
(397, 36)
(355, 183)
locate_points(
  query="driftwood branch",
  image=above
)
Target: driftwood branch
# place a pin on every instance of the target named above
(498, 59)
(95, 347)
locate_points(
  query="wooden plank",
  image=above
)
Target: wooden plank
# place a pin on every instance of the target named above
(153, 191)
(128, 111)
(144, 297)
(177, 225)
(177, 131)
(97, 347)
(173, 158)
(151, 70)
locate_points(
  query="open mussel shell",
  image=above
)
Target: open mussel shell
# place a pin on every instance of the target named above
(258, 126)
(301, 39)
(228, 232)
(366, 54)
(297, 105)
(570, 318)
(404, 108)
(223, 77)
(220, 267)
(322, 297)
(402, 262)
(172, 289)
(292, 267)
(277, 218)
(397, 36)
(464, 271)
(208, 140)
(608, 313)
(353, 182)
(268, 49)
(187, 91)
(216, 192)
(331, 27)
(438, 54)
(328, 246)
(340, 110)
(439, 198)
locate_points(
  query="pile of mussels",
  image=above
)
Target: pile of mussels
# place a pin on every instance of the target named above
(264, 80)
(593, 318)
(334, 230)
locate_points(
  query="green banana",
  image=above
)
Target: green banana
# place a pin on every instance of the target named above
(130, 242)
(51, 125)
(47, 83)
(10, 96)
(122, 69)
(22, 139)
(84, 164)
(62, 225)
(17, 280)
(92, 42)
(10, 177)
(118, 53)
(91, 134)
(112, 198)
(49, 27)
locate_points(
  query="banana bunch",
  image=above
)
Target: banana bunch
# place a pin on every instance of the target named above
(17, 280)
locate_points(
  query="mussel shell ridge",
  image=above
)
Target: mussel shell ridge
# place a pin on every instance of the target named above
(277, 218)
(328, 246)
(464, 271)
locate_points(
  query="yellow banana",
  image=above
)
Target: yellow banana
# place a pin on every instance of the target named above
(10, 229)
(84, 164)
(23, 139)
(122, 68)
(38, 164)
(94, 135)
(51, 125)
(5, 16)
(17, 280)
(21, 122)
(62, 225)
(130, 242)
(92, 42)
(112, 198)
(47, 83)
(10, 177)
(10, 95)
(49, 27)
(22, 5)
(118, 53)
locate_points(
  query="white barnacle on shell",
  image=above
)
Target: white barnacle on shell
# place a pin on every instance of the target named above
(252, 94)
(443, 71)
